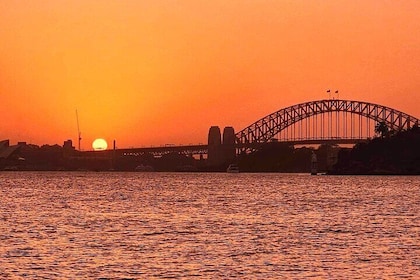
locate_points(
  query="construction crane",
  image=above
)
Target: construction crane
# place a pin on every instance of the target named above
(78, 129)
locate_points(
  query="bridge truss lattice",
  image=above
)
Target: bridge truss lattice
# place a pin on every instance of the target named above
(323, 119)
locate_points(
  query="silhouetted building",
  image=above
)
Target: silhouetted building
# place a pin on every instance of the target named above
(4, 144)
(220, 152)
(229, 151)
(68, 145)
(214, 156)
(68, 149)
(9, 157)
(7, 151)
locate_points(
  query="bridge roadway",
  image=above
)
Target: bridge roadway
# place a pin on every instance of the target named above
(203, 149)
(260, 132)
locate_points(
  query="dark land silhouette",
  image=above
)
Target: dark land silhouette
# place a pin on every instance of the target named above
(280, 157)
(273, 157)
(256, 148)
(392, 153)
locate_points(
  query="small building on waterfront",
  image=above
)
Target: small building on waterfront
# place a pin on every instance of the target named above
(9, 158)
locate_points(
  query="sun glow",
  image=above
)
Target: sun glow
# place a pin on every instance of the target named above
(99, 144)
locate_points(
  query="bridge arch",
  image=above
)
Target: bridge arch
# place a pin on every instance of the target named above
(269, 126)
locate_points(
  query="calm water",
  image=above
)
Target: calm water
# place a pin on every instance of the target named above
(208, 226)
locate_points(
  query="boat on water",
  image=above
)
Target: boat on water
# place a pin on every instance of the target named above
(232, 168)
(144, 168)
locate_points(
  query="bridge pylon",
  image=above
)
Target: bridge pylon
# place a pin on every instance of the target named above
(221, 151)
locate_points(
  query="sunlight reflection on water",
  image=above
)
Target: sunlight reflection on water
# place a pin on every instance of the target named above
(211, 226)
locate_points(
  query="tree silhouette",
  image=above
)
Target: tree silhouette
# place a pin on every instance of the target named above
(382, 129)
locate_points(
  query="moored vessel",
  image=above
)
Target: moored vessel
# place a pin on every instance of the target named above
(232, 168)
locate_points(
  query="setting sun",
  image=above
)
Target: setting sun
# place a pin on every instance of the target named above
(286, 131)
(164, 71)
(99, 144)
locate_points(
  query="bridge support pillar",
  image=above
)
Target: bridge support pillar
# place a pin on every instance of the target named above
(221, 152)
(229, 151)
(214, 156)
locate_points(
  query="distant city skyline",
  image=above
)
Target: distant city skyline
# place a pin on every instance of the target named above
(154, 72)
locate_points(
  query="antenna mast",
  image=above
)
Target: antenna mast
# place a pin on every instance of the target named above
(78, 129)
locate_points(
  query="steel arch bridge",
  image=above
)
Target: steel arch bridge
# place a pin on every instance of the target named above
(322, 120)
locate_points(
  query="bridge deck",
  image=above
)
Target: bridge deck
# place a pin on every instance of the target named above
(203, 149)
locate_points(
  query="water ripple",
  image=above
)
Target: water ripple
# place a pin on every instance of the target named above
(208, 226)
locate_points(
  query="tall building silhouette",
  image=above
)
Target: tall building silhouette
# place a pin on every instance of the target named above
(229, 151)
(214, 146)
(221, 152)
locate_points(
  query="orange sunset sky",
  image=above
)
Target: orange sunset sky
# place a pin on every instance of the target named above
(155, 72)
